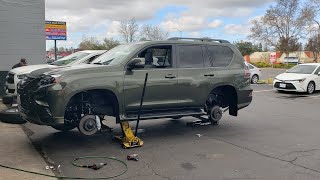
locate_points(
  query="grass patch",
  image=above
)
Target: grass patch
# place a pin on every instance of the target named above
(268, 65)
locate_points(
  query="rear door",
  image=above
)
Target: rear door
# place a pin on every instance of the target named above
(195, 76)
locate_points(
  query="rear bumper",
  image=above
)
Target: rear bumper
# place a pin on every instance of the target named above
(244, 98)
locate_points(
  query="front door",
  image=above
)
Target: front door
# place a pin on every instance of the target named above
(161, 89)
(317, 79)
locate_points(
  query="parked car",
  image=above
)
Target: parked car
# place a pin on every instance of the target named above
(292, 60)
(300, 78)
(192, 77)
(15, 75)
(255, 73)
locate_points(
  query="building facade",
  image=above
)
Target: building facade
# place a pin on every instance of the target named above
(22, 34)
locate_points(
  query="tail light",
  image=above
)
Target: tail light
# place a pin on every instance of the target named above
(246, 72)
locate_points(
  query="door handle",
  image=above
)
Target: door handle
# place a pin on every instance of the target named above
(209, 75)
(170, 76)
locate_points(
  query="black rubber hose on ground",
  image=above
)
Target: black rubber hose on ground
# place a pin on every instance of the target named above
(77, 165)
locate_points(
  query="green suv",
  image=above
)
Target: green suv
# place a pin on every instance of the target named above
(186, 77)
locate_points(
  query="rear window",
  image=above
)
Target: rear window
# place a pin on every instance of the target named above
(190, 56)
(220, 56)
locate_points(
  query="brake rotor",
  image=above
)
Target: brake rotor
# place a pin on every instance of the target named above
(216, 114)
(88, 125)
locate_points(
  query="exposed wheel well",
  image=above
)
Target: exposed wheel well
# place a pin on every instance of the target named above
(225, 96)
(312, 82)
(96, 101)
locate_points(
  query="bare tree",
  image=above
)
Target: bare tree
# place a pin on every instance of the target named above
(110, 43)
(314, 8)
(283, 25)
(129, 30)
(150, 32)
(313, 45)
(90, 43)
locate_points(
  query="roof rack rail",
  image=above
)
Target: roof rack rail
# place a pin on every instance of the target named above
(200, 39)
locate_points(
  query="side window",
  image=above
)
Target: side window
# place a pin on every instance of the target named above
(317, 71)
(190, 56)
(157, 57)
(221, 56)
(251, 67)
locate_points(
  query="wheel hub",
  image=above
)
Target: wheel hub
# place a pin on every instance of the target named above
(87, 125)
(310, 88)
(216, 113)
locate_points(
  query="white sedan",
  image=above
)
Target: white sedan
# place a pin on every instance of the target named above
(300, 78)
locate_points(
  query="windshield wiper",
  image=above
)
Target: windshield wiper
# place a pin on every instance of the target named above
(97, 63)
(108, 62)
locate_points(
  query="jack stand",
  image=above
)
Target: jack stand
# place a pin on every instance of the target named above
(216, 113)
(201, 122)
(128, 140)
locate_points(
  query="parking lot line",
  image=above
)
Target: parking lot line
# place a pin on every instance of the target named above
(263, 90)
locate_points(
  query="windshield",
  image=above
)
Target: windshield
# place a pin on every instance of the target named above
(71, 58)
(115, 55)
(302, 69)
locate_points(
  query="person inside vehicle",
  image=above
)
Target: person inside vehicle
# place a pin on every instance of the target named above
(22, 62)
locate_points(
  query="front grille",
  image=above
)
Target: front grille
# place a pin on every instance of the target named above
(288, 86)
(11, 91)
(10, 79)
(25, 89)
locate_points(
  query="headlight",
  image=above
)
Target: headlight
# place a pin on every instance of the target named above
(21, 76)
(301, 80)
(49, 79)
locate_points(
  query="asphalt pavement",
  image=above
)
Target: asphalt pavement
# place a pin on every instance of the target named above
(276, 137)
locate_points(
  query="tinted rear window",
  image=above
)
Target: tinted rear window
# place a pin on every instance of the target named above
(221, 56)
(190, 56)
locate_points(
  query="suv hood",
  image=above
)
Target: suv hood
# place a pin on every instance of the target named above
(291, 76)
(30, 68)
(70, 70)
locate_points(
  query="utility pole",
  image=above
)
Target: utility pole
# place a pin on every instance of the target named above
(55, 50)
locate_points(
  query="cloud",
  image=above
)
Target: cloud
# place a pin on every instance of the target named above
(81, 15)
(90, 17)
(215, 23)
(195, 34)
(185, 23)
(113, 29)
(237, 29)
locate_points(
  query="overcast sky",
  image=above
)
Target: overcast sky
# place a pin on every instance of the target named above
(227, 19)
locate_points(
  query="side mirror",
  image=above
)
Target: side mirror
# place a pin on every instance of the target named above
(136, 63)
(319, 74)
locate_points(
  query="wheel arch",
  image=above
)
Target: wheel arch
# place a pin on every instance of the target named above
(230, 97)
(106, 94)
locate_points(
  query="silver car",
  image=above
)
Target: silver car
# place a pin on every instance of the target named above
(255, 73)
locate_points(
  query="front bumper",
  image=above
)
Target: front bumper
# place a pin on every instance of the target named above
(39, 114)
(34, 105)
(294, 86)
